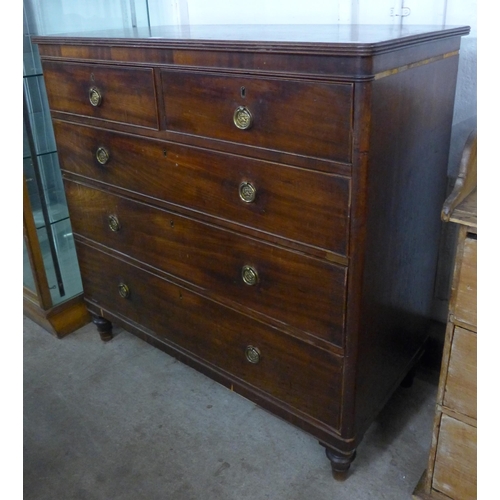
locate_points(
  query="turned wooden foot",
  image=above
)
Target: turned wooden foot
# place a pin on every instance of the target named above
(340, 463)
(104, 328)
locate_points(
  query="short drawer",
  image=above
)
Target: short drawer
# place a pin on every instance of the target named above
(465, 309)
(456, 460)
(299, 291)
(125, 95)
(305, 206)
(305, 118)
(300, 375)
(461, 380)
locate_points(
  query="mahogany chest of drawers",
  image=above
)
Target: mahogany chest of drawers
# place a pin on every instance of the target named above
(262, 202)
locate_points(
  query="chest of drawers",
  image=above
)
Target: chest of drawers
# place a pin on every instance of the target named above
(262, 202)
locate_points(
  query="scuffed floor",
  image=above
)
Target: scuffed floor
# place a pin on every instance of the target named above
(122, 420)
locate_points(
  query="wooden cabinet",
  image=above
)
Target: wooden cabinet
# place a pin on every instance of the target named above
(452, 468)
(262, 205)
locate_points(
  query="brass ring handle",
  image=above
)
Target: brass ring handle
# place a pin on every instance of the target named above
(252, 354)
(124, 290)
(249, 275)
(247, 192)
(114, 223)
(95, 96)
(242, 118)
(102, 155)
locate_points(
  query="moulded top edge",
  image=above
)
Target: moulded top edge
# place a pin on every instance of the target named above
(335, 39)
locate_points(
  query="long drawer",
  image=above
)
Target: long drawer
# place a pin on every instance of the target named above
(300, 291)
(306, 118)
(306, 206)
(300, 375)
(119, 94)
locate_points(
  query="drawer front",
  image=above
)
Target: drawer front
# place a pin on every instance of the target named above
(124, 95)
(456, 460)
(466, 301)
(306, 206)
(305, 118)
(461, 381)
(299, 291)
(292, 371)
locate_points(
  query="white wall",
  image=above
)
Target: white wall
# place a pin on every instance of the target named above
(312, 11)
(433, 12)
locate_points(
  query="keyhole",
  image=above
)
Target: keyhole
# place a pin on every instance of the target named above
(92, 77)
(243, 92)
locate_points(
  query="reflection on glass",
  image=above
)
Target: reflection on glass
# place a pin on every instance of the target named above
(53, 189)
(31, 59)
(50, 18)
(38, 107)
(28, 280)
(40, 160)
(65, 248)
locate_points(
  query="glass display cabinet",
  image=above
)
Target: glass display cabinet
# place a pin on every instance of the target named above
(51, 279)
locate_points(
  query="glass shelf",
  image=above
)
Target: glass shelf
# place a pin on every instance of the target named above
(40, 120)
(55, 197)
(28, 278)
(31, 59)
(49, 225)
(65, 248)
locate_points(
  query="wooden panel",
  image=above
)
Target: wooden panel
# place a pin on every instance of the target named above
(405, 188)
(466, 296)
(311, 119)
(306, 206)
(303, 292)
(128, 94)
(461, 384)
(296, 373)
(455, 470)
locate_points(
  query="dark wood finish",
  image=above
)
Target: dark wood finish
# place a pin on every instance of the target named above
(191, 178)
(104, 327)
(284, 112)
(212, 259)
(128, 94)
(406, 189)
(345, 52)
(340, 463)
(348, 154)
(289, 370)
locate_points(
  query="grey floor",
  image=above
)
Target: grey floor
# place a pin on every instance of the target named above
(122, 420)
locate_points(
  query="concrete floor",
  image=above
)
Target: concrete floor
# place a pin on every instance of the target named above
(123, 420)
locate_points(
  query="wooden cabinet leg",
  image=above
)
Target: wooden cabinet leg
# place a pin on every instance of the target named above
(340, 463)
(104, 327)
